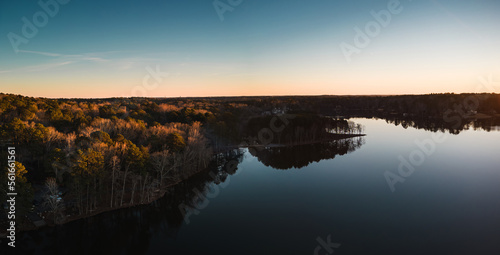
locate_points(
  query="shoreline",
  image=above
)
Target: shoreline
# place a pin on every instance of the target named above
(50, 223)
(161, 193)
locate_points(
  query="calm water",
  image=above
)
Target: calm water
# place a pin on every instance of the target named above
(289, 201)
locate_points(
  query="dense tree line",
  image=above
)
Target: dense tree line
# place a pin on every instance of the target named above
(102, 153)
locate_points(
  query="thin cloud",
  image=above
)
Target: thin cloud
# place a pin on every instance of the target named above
(77, 57)
(95, 59)
(37, 68)
(48, 54)
(120, 64)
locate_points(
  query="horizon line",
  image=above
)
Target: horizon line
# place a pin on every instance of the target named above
(250, 96)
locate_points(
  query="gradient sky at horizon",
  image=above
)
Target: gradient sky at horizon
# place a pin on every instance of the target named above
(292, 47)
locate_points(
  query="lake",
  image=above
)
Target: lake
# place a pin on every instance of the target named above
(329, 198)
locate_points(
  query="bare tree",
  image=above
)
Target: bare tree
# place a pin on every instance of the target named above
(161, 162)
(53, 201)
(134, 183)
(124, 183)
(144, 187)
(52, 137)
(115, 164)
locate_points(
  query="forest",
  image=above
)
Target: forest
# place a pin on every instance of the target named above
(80, 157)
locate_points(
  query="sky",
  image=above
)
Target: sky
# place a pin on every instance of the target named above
(197, 48)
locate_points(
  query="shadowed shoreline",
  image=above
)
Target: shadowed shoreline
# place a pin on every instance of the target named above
(334, 137)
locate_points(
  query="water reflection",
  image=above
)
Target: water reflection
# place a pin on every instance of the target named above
(452, 125)
(300, 156)
(129, 231)
(451, 198)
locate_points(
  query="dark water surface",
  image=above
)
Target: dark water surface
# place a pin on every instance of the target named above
(293, 200)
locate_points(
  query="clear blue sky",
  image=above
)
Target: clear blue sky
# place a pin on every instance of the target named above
(104, 48)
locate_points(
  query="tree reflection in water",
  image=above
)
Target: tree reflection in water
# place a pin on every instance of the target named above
(129, 230)
(453, 126)
(302, 155)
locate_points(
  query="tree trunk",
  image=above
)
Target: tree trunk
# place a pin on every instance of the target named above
(87, 207)
(95, 192)
(133, 192)
(112, 186)
(124, 182)
(143, 187)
